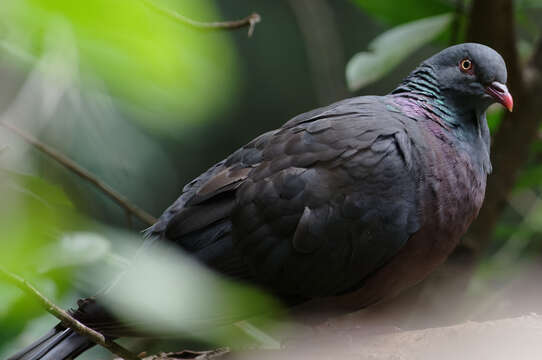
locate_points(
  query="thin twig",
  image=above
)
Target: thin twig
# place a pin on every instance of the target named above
(249, 21)
(66, 319)
(80, 171)
(189, 354)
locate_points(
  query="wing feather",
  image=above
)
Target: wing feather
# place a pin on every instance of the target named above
(310, 209)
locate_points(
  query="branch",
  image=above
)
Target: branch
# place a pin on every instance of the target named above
(66, 319)
(81, 172)
(492, 23)
(249, 21)
(189, 354)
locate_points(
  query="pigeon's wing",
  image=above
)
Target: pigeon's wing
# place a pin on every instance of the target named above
(199, 221)
(309, 209)
(332, 199)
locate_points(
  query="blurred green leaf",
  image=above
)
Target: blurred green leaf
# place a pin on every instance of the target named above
(390, 48)
(397, 12)
(151, 63)
(38, 188)
(266, 340)
(17, 308)
(8, 295)
(32, 214)
(168, 293)
(74, 249)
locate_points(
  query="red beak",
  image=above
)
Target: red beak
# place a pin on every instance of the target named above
(501, 94)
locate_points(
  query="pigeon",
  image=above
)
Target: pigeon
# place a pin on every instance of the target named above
(361, 199)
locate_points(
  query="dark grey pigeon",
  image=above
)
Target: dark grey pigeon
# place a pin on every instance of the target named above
(361, 199)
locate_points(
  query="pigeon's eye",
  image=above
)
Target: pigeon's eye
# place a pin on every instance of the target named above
(466, 66)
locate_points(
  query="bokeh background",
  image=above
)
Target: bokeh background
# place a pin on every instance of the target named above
(146, 103)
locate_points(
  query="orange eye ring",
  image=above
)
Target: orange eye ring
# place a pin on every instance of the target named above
(466, 66)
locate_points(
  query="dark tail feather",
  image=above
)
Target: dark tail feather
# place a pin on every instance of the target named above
(59, 344)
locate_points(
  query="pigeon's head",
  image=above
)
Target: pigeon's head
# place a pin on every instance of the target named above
(473, 75)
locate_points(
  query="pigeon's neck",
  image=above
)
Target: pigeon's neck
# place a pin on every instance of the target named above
(421, 97)
(422, 89)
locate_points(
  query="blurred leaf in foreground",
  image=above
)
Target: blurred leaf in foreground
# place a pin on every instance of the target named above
(74, 249)
(390, 48)
(167, 293)
(151, 63)
(32, 213)
(34, 218)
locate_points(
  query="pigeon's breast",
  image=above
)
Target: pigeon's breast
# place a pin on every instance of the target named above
(454, 169)
(453, 187)
(450, 193)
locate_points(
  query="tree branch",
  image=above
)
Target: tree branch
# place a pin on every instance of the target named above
(492, 23)
(249, 21)
(81, 172)
(189, 354)
(66, 319)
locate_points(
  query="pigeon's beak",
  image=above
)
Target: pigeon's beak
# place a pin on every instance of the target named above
(500, 93)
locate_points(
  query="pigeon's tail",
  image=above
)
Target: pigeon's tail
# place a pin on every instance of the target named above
(59, 344)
